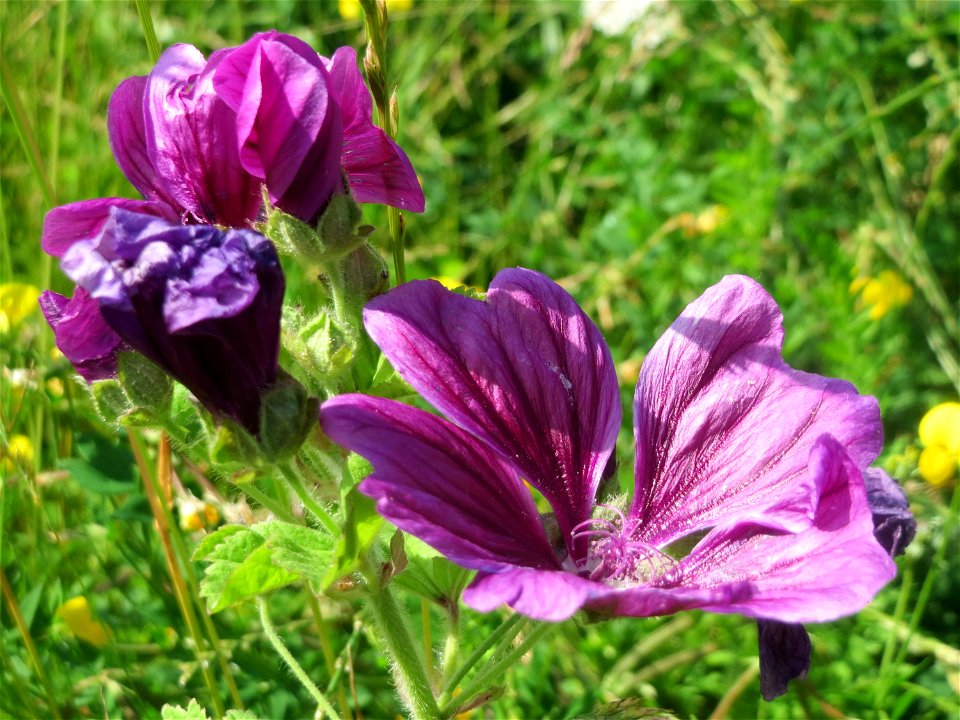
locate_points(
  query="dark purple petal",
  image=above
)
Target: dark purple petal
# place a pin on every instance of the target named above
(894, 526)
(548, 595)
(526, 371)
(784, 656)
(82, 334)
(192, 140)
(202, 303)
(439, 483)
(83, 220)
(125, 123)
(288, 128)
(378, 170)
(724, 427)
(832, 569)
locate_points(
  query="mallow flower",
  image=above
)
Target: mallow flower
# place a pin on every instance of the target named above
(202, 303)
(199, 138)
(756, 465)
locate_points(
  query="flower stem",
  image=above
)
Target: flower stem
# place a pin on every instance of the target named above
(153, 493)
(451, 647)
(164, 478)
(409, 671)
(490, 674)
(292, 476)
(271, 632)
(323, 634)
(506, 632)
(149, 34)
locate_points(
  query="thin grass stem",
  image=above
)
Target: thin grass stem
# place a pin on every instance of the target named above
(14, 607)
(275, 640)
(149, 33)
(152, 490)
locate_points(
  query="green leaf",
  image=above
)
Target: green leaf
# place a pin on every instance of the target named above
(359, 531)
(241, 567)
(298, 549)
(89, 478)
(240, 715)
(250, 561)
(193, 711)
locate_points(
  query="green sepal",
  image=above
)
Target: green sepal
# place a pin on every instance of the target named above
(365, 274)
(232, 446)
(292, 236)
(287, 415)
(338, 226)
(146, 385)
(111, 400)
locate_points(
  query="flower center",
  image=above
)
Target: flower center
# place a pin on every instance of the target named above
(616, 556)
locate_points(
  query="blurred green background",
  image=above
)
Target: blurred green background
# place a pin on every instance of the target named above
(811, 145)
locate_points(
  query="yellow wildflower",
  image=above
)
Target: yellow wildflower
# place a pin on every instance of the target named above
(936, 465)
(940, 434)
(17, 301)
(78, 617)
(941, 426)
(882, 293)
(19, 452)
(350, 9)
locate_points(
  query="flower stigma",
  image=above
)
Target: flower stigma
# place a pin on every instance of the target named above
(615, 555)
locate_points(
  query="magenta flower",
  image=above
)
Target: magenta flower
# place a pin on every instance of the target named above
(202, 303)
(199, 138)
(761, 462)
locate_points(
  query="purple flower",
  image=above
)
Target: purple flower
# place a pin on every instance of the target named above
(83, 336)
(199, 137)
(202, 303)
(761, 462)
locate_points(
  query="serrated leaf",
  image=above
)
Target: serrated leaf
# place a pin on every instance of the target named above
(298, 549)
(240, 715)
(193, 711)
(210, 542)
(241, 567)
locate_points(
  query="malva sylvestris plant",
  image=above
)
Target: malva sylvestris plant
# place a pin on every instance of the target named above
(753, 492)
(731, 441)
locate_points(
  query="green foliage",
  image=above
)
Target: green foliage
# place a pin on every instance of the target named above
(246, 562)
(805, 143)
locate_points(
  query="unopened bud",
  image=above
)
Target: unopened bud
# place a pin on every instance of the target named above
(365, 273)
(287, 414)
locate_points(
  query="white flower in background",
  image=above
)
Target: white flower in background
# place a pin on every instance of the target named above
(660, 20)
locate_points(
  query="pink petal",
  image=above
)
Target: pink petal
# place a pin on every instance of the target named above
(526, 371)
(439, 483)
(724, 427)
(128, 139)
(288, 128)
(548, 595)
(65, 225)
(832, 569)
(378, 170)
(191, 136)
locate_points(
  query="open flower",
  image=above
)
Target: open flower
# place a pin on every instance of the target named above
(202, 303)
(200, 137)
(759, 461)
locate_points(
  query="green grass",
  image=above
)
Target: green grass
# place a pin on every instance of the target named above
(823, 139)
